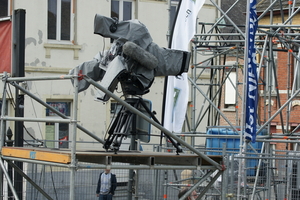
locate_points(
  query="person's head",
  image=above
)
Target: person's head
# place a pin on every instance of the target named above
(186, 176)
(192, 196)
(107, 171)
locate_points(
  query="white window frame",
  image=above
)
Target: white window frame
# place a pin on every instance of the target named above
(58, 25)
(56, 133)
(121, 13)
(230, 90)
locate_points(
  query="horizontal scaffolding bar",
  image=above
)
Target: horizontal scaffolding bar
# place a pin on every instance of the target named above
(37, 119)
(259, 26)
(40, 78)
(163, 167)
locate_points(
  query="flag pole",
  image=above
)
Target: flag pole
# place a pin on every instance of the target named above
(249, 107)
(242, 144)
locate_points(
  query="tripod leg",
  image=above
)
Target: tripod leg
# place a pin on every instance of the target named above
(113, 129)
(123, 130)
(119, 129)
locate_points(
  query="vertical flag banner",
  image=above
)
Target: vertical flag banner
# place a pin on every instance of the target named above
(252, 80)
(5, 46)
(177, 90)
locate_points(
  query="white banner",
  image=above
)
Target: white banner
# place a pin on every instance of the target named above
(177, 87)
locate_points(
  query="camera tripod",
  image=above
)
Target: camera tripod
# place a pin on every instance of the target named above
(126, 124)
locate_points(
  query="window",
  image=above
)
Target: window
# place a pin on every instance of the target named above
(174, 6)
(59, 20)
(230, 90)
(122, 9)
(57, 134)
(4, 8)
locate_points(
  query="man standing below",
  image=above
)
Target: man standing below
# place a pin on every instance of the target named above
(107, 184)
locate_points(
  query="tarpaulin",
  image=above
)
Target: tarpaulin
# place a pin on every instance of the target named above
(5, 46)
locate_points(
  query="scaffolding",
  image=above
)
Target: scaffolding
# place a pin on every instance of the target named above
(218, 53)
(74, 159)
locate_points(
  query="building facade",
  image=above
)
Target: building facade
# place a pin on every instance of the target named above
(59, 36)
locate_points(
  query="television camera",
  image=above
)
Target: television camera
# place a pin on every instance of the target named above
(133, 60)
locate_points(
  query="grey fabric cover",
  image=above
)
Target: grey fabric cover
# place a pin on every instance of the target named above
(91, 69)
(170, 62)
(131, 30)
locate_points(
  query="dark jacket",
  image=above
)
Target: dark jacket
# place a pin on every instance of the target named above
(113, 184)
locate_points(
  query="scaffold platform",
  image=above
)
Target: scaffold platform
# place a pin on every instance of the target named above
(63, 156)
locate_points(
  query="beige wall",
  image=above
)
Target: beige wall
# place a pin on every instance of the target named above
(93, 115)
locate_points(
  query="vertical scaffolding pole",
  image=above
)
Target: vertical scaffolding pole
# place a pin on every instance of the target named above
(193, 96)
(3, 131)
(241, 174)
(73, 142)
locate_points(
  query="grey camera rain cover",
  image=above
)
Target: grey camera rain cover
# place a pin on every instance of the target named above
(171, 62)
(131, 30)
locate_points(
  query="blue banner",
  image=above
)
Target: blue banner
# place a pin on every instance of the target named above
(252, 80)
